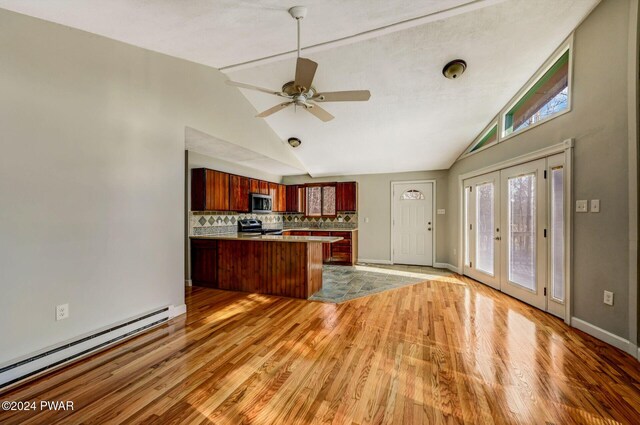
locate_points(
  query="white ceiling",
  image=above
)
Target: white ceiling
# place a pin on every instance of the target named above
(416, 119)
(205, 144)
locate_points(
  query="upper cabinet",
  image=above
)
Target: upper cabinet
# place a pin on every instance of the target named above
(209, 190)
(280, 202)
(239, 194)
(258, 186)
(320, 200)
(347, 196)
(295, 199)
(213, 190)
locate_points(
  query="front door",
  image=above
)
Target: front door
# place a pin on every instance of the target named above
(412, 226)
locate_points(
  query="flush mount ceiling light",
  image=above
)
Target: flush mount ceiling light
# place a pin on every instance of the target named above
(294, 142)
(454, 69)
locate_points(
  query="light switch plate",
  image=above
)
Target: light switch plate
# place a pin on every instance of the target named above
(595, 205)
(581, 206)
(441, 211)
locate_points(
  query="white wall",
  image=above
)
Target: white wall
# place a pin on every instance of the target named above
(374, 202)
(598, 123)
(92, 176)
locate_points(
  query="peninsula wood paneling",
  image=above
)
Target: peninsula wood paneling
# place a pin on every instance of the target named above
(289, 269)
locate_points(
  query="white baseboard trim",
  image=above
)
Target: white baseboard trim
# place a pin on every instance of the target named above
(28, 367)
(447, 266)
(606, 336)
(364, 260)
(177, 310)
(188, 282)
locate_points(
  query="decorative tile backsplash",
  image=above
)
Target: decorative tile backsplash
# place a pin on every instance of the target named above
(342, 220)
(217, 223)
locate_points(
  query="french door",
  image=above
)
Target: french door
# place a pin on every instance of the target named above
(514, 232)
(482, 229)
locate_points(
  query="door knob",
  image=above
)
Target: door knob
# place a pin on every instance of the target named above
(429, 228)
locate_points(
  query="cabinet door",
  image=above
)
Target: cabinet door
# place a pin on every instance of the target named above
(295, 198)
(329, 200)
(264, 187)
(203, 263)
(347, 196)
(281, 205)
(198, 189)
(326, 247)
(239, 194)
(273, 192)
(254, 186)
(217, 191)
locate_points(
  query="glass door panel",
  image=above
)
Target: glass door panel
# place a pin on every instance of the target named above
(524, 216)
(522, 230)
(557, 183)
(485, 228)
(481, 237)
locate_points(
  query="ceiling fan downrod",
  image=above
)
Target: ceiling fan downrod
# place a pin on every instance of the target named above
(298, 13)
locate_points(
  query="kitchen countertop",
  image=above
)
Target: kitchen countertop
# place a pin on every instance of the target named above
(272, 238)
(316, 229)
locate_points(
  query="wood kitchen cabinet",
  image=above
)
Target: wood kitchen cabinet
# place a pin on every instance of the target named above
(280, 201)
(347, 196)
(239, 188)
(258, 186)
(295, 199)
(209, 190)
(326, 247)
(204, 264)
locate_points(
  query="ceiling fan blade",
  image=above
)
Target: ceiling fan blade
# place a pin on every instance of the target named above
(305, 71)
(273, 110)
(256, 88)
(320, 113)
(343, 96)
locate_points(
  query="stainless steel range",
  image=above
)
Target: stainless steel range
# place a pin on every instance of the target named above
(254, 226)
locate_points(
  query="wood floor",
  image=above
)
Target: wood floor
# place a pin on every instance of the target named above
(449, 351)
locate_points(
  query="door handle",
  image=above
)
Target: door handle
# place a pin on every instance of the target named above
(498, 238)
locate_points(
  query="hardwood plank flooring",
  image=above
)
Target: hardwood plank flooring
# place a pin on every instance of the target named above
(446, 351)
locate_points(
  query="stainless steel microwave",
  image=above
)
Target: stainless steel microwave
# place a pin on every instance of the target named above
(261, 204)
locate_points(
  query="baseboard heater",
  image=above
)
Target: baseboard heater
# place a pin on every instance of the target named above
(53, 358)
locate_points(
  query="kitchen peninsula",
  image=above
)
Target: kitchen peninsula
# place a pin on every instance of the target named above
(289, 266)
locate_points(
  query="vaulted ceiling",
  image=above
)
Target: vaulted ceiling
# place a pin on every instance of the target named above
(416, 119)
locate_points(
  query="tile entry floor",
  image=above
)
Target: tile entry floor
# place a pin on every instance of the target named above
(344, 283)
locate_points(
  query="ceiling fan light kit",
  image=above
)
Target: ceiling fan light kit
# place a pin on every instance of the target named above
(300, 91)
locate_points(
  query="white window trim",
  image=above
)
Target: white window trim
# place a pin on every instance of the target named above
(567, 44)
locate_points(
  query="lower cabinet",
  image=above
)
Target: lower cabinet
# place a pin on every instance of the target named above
(344, 252)
(203, 263)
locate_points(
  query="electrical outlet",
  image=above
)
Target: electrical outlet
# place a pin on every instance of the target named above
(62, 311)
(455, 252)
(608, 297)
(581, 206)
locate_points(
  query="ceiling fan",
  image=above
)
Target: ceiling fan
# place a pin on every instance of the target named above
(300, 91)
